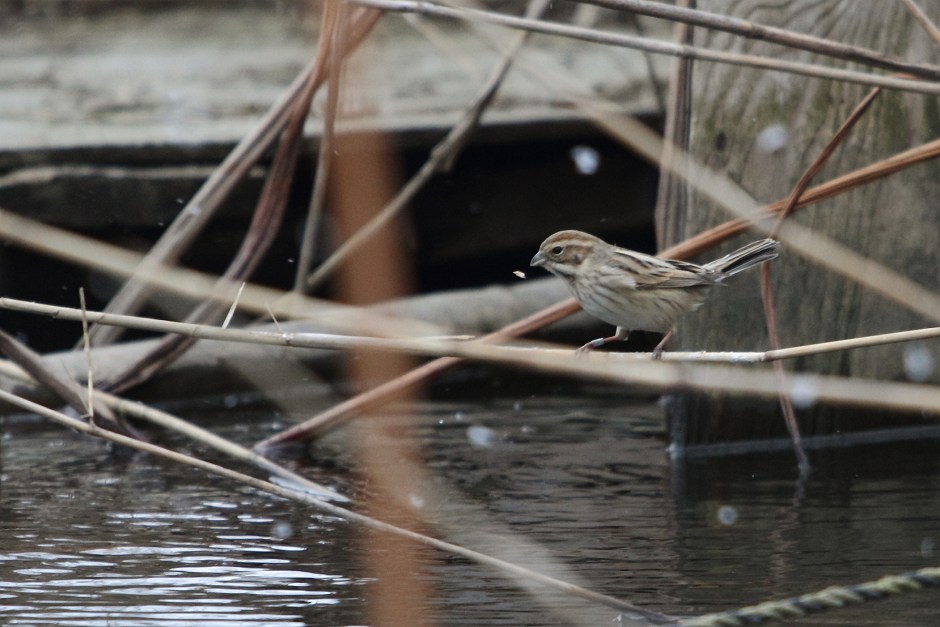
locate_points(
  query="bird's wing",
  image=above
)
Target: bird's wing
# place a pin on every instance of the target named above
(648, 273)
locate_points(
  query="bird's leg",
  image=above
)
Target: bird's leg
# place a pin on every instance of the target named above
(658, 351)
(620, 335)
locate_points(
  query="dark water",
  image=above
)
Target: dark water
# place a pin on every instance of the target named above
(578, 486)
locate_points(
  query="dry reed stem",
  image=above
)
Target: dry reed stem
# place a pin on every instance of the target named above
(632, 368)
(441, 159)
(334, 38)
(445, 346)
(114, 260)
(841, 184)
(86, 341)
(923, 19)
(206, 201)
(767, 293)
(31, 365)
(508, 569)
(652, 45)
(112, 403)
(30, 369)
(773, 34)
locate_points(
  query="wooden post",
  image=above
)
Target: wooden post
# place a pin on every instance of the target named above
(763, 129)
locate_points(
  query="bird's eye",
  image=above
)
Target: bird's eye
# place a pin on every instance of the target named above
(557, 250)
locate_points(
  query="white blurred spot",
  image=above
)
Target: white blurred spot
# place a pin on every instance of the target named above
(519, 273)
(926, 547)
(727, 515)
(586, 159)
(480, 436)
(459, 416)
(230, 401)
(918, 362)
(803, 392)
(773, 138)
(517, 406)
(416, 500)
(281, 530)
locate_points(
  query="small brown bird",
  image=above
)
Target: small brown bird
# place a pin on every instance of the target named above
(635, 291)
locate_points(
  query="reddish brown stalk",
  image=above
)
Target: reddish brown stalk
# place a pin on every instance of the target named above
(823, 157)
(708, 238)
(392, 389)
(767, 294)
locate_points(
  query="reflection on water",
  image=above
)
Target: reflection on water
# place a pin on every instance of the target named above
(578, 486)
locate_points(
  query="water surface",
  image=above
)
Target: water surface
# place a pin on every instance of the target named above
(577, 485)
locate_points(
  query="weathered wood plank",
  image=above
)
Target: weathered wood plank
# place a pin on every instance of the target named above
(201, 75)
(763, 129)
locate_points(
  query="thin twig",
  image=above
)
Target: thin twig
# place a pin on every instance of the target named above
(233, 308)
(61, 385)
(767, 293)
(648, 57)
(786, 405)
(502, 566)
(258, 299)
(448, 346)
(799, 189)
(88, 358)
(623, 368)
(115, 405)
(752, 30)
(841, 184)
(333, 36)
(652, 45)
(924, 19)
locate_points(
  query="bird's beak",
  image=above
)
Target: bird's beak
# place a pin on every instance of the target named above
(538, 260)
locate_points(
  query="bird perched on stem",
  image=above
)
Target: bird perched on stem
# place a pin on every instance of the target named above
(637, 292)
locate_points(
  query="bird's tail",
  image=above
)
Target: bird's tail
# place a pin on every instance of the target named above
(744, 258)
